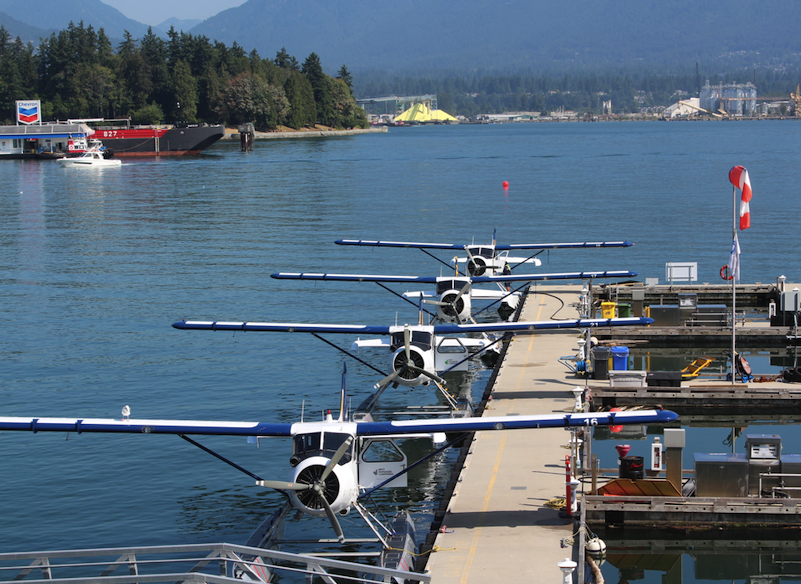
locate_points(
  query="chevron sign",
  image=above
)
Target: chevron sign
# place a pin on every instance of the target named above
(28, 112)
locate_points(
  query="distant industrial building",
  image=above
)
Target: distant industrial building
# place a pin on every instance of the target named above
(685, 108)
(730, 100)
(405, 109)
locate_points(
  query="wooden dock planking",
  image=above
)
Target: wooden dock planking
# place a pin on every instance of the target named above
(656, 512)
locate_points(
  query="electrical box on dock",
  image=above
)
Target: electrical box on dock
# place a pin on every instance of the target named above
(790, 300)
(721, 475)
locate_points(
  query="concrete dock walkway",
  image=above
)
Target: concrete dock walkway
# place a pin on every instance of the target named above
(498, 527)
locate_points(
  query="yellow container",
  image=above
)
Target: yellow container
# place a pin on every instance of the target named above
(608, 310)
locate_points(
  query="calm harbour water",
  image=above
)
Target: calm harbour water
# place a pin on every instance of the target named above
(95, 266)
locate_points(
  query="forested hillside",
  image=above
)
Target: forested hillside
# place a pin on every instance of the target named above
(77, 73)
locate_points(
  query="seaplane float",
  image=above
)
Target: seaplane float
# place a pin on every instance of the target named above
(337, 462)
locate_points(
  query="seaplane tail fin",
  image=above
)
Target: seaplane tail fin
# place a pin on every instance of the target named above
(343, 395)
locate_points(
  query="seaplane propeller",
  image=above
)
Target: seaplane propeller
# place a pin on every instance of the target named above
(452, 306)
(409, 365)
(476, 265)
(316, 487)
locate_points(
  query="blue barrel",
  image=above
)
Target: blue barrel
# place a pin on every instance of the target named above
(620, 358)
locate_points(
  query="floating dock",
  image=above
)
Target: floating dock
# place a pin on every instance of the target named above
(500, 525)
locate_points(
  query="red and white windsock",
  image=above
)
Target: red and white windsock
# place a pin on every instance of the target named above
(739, 178)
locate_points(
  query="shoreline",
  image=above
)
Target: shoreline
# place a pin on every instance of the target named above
(325, 132)
(233, 134)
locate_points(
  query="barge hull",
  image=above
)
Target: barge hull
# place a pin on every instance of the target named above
(160, 142)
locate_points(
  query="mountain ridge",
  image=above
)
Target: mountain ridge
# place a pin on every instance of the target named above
(424, 36)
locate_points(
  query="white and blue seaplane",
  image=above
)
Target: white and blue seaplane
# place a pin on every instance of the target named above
(492, 259)
(454, 294)
(417, 352)
(337, 462)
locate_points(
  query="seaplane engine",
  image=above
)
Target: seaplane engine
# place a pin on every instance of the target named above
(339, 488)
(457, 309)
(411, 375)
(477, 266)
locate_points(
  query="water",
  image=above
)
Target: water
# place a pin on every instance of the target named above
(95, 266)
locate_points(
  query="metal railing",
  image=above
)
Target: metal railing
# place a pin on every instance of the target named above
(212, 563)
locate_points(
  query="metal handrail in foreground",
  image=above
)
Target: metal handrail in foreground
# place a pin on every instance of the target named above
(184, 563)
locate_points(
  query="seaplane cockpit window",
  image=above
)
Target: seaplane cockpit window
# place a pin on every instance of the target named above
(445, 285)
(306, 445)
(419, 339)
(484, 252)
(422, 339)
(332, 441)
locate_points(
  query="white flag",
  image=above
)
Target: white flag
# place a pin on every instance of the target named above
(734, 259)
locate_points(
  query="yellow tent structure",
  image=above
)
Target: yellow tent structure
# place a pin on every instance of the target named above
(420, 112)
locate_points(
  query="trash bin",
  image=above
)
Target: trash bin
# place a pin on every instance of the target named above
(607, 310)
(631, 467)
(620, 358)
(600, 362)
(624, 310)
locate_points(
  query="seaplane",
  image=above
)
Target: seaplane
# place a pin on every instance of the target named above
(492, 259)
(456, 293)
(337, 462)
(417, 352)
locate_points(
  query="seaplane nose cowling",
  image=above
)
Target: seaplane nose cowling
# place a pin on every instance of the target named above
(454, 310)
(334, 488)
(409, 368)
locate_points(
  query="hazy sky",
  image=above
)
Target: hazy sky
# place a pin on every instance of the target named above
(155, 12)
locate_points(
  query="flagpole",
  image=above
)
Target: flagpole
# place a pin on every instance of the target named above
(733, 282)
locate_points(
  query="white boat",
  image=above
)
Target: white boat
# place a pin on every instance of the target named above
(92, 157)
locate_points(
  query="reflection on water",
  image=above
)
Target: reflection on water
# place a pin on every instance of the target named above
(95, 268)
(755, 557)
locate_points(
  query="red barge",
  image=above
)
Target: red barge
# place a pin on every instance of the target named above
(125, 140)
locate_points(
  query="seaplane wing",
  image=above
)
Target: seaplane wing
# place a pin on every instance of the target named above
(474, 279)
(353, 277)
(554, 276)
(394, 428)
(130, 426)
(514, 422)
(280, 327)
(458, 246)
(524, 326)
(484, 327)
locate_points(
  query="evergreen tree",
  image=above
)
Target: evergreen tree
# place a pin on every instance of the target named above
(345, 75)
(154, 57)
(299, 92)
(285, 61)
(313, 71)
(184, 93)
